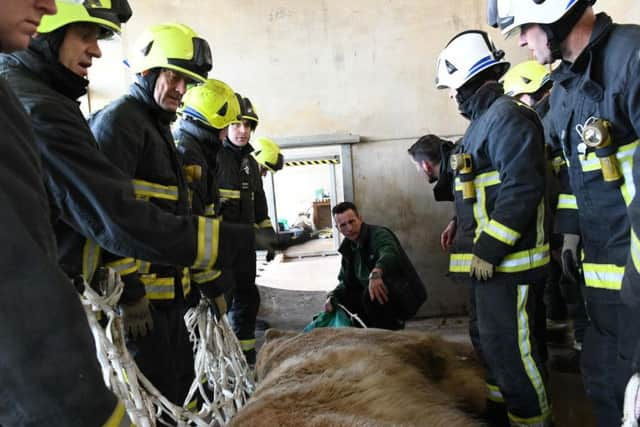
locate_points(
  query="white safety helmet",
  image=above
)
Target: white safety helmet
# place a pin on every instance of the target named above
(510, 15)
(465, 56)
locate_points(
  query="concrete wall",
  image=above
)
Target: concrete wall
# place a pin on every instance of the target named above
(332, 66)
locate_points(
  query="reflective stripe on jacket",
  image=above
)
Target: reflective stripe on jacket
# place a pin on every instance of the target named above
(505, 224)
(598, 84)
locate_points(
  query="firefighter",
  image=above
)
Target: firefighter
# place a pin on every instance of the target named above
(500, 241)
(242, 200)
(267, 154)
(134, 134)
(55, 385)
(595, 119)
(530, 82)
(93, 201)
(205, 115)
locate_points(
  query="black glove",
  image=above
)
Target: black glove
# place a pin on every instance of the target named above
(270, 255)
(138, 321)
(266, 239)
(569, 257)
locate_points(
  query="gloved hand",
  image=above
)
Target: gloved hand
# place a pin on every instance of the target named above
(480, 269)
(569, 257)
(270, 256)
(137, 318)
(266, 239)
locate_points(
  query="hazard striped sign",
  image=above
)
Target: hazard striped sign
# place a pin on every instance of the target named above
(312, 162)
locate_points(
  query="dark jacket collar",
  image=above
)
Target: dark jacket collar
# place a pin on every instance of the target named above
(542, 107)
(206, 138)
(54, 74)
(480, 101)
(240, 152)
(142, 91)
(568, 70)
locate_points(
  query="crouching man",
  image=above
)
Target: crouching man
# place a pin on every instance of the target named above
(377, 280)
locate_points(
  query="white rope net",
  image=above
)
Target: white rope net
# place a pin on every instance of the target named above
(223, 380)
(631, 410)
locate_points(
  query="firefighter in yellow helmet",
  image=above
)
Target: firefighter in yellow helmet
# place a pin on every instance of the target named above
(243, 201)
(44, 335)
(267, 154)
(528, 81)
(205, 115)
(134, 133)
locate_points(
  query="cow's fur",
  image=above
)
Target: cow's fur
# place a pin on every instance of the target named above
(364, 377)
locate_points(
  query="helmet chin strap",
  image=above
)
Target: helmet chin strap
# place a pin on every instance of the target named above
(558, 31)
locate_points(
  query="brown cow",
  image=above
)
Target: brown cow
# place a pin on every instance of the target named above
(364, 377)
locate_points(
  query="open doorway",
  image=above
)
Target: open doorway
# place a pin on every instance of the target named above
(316, 176)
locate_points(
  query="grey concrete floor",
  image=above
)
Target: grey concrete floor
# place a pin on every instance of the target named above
(292, 310)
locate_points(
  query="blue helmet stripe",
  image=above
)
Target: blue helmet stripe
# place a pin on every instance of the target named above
(195, 114)
(480, 65)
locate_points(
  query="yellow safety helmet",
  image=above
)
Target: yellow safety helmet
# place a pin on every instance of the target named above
(213, 103)
(527, 77)
(173, 46)
(108, 14)
(267, 153)
(247, 111)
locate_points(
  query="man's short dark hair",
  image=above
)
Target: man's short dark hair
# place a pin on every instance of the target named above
(427, 148)
(343, 207)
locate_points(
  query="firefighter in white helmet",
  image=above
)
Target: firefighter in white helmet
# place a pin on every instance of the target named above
(501, 243)
(595, 119)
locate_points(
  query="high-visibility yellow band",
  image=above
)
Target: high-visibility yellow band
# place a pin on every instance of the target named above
(118, 417)
(229, 194)
(208, 239)
(543, 420)
(485, 179)
(247, 345)
(494, 394)
(210, 210)
(590, 161)
(512, 263)
(148, 189)
(206, 276)
(625, 159)
(90, 259)
(635, 251)
(158, 287)
(525, 349)
(567, 201)
(265, 224)
(186, 281)
(193, 405)
(603, 276)
(557, 163)
(143, 266)
(123, 266)
(501, 232)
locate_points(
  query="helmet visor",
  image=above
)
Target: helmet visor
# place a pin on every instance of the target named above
(115, 11)
(278, 165)
(200, 63)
